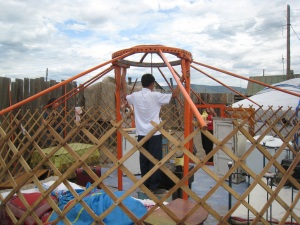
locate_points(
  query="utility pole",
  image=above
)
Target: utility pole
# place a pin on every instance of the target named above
(288, 50)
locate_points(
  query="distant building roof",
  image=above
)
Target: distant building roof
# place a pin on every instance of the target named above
(253, 88)
(275, 98)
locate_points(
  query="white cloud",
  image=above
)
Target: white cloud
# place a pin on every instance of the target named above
(68, 37)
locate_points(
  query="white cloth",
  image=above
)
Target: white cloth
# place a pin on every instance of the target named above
(78, 111)
(258, 198)
(46, 185)
(147, 106)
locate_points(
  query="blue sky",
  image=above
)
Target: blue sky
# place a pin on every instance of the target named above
(67, 37)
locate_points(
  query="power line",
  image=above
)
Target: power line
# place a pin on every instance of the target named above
(259, 15)
(295, 32)
(230, 27)
(279, 18)
(248, 50)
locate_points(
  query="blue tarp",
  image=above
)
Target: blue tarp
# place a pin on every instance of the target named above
(98, 201)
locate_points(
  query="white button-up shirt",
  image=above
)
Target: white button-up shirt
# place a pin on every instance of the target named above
(147, 106)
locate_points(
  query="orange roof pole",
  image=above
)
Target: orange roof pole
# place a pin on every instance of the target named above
(18, 104)
(197, 96)
(185, 94)
(189, 106)
(248, 79)
(165, 78)
(226, 86)
(81, 87)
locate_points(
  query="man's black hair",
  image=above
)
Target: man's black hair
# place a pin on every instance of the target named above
(147, 80)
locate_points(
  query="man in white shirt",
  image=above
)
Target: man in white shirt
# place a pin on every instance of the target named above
(147, 104)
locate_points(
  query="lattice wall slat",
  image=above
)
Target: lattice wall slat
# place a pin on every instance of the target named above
(26, 133)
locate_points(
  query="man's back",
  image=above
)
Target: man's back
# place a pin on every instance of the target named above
(147, 106)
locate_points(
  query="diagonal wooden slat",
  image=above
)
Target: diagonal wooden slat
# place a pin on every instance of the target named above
(17, 147)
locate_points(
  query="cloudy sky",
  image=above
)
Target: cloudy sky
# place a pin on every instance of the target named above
(246, 37)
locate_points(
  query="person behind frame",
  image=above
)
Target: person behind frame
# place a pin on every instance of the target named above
(146, 105)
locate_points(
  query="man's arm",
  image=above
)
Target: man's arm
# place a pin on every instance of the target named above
(176, 91)
(214, 114)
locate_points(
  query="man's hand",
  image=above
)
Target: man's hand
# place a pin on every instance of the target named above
(182, 79)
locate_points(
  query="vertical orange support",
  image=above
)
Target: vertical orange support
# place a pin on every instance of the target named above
(222, 108)
(185, 94)
(118, 116)
(185, 65)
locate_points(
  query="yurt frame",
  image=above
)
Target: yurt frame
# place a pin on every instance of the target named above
(22, 136)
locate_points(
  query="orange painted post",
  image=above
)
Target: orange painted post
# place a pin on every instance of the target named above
(187, 119)
(222, 108)
(185, 94)
(118, 116)
(189, 105)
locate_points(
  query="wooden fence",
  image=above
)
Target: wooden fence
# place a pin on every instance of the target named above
(12, 92)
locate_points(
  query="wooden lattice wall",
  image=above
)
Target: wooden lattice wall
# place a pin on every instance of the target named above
(24, 135)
